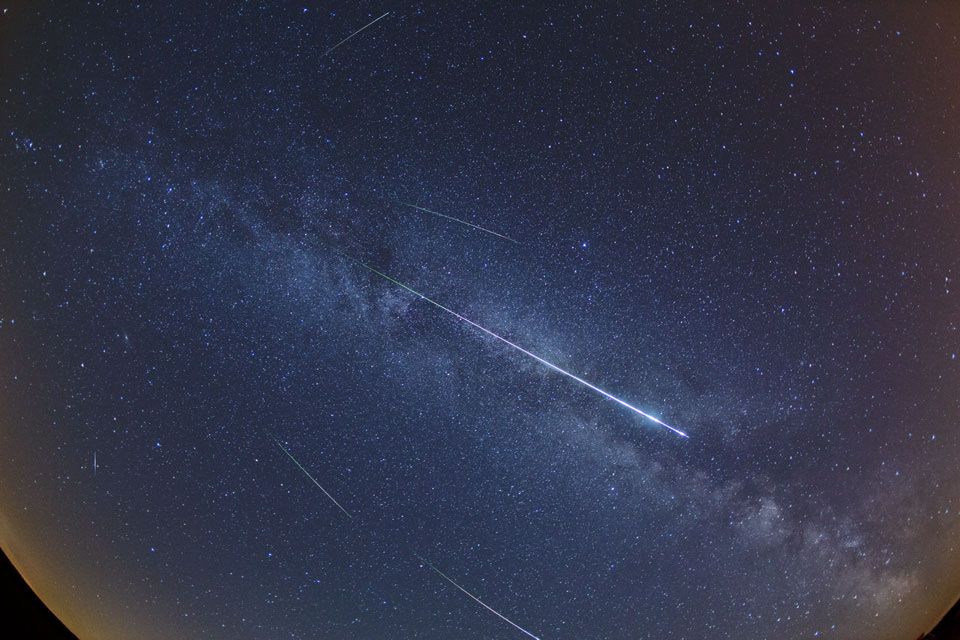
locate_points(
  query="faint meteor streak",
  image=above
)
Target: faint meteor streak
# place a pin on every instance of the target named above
(436, 213)
(307, 473)
(355, 33)
(422, 559)
(546, 363)
(478, 600)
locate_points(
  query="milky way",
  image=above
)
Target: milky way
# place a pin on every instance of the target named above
(739, 221)
(520, 349)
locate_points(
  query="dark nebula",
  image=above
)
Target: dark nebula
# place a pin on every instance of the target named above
(743, 220)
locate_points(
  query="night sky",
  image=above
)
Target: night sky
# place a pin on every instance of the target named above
(743, 221)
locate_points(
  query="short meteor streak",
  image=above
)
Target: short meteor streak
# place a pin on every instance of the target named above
(422, 559)
(437, 213)
(546, 363)
(307, 473)
(478, 600)
(369, 24)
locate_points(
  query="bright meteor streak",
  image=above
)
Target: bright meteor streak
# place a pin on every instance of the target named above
(437, 213)
(307, 473)
(478, 600)
(546, 363)
(369, 24)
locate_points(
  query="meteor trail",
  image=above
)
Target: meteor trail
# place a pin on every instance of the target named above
(436, 213)
(422, 559)
(355, 33)
(546, 363)
(478, 600)
(307, 473)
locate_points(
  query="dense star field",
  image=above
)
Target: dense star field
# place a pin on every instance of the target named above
(222, 417)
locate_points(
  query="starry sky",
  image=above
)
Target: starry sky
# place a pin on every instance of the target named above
(742, 220)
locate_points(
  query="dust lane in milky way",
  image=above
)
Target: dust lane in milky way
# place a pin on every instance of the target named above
(737, 220)
(529, 354)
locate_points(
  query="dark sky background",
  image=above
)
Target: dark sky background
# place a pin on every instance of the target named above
(743, 220)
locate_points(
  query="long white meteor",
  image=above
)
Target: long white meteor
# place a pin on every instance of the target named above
(546, 363)
(307, 473)
(443, 215)
(369, 24)
(478, 600)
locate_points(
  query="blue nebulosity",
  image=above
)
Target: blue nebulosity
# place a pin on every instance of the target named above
(742, 219)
